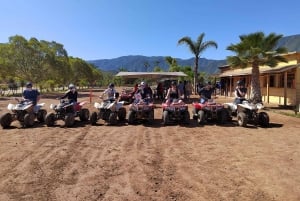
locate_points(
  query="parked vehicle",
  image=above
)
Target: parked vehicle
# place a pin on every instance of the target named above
(142, 109)
(24, 112)
(209, 111)
(67, 112)
(109, 111)
(127, 96)
(248, 112)
(175, 112)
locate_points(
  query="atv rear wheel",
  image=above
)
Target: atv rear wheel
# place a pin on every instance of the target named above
(151, 116)
(41, 115)
(94, 118)
(242, 119)
(6, 120)
(69, 120)
(50, 119)
(263, 119)
(186, 117)
(122, 114)
(84, 114)
(28, 120)
(222, 116)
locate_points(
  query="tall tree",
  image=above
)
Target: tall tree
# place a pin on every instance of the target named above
(256, 50)
(196, 48)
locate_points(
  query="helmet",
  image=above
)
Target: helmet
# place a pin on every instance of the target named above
(28, 85)
(71, 86)
(111, 85)
(173, 83)
(143, 83)
(240, 83)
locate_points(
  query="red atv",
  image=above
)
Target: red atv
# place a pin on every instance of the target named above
(209, 111)
(175, 112)
(127, 96)
(67, 112)
(142, 109)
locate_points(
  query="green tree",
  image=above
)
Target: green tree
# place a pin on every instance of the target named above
(256, 50)
(196, 48)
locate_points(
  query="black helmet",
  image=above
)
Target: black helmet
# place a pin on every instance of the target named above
(28, 84)
(173, 83)
(240, 83)
(111, 85)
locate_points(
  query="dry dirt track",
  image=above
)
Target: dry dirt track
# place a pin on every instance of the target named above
(151, 162)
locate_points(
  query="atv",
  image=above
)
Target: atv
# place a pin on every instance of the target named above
(25, 112)
(110, 111)
(175, 112)
(141, 109)
(67, 111)
(248, 112)
(209, 111)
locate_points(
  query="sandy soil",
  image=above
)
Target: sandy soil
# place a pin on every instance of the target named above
(150, 162)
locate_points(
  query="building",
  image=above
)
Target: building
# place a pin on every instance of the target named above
(279, 85)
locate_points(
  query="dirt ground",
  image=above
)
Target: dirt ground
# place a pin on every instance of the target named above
(150, 162)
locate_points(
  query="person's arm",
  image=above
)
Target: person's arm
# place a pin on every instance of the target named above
(168, 94)
(105, 91)
(64, 96)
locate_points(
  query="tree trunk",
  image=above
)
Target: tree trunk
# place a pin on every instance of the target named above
(196, 74)
(255, 84)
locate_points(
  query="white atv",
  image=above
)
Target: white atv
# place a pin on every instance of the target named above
(248, 112)
(25, 112)
(109, 111)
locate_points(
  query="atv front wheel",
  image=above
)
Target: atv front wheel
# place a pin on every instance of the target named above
(131, 117)
(201, 117)
(263, 119)
(84, 114)
(94, 118)
(122, 114)
(28, 120)
(242, 119)
(112, 119)
(165, 117)
(6, 120)
(69, 120)
(50, 119)
(41, 115)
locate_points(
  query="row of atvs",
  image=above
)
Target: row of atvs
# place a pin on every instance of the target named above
(140, 110)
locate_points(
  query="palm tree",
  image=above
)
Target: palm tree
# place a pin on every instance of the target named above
(256, 50)
(197, 47)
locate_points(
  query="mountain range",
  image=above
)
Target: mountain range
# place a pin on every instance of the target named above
(136, 63)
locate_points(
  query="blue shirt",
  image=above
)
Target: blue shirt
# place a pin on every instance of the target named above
(31, 95)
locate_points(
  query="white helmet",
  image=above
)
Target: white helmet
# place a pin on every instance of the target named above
(71, 86)
(143, 83)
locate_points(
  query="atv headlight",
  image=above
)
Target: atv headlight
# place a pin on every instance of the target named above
(97, 105)
(259, 106)
(10, 106)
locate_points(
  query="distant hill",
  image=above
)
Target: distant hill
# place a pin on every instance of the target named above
(135, 63)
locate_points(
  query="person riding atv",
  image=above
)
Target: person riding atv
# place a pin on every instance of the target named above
(240, 92)
(206, 92)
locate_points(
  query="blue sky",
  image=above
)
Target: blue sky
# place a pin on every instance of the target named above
(105, 29)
